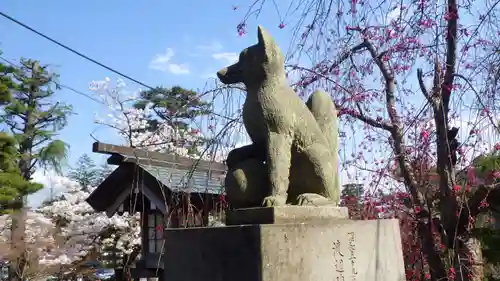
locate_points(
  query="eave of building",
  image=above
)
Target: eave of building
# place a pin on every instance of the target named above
(151, 177)
(120, 154)
(123, 183)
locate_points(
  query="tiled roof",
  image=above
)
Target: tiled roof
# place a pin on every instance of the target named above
(180, 180)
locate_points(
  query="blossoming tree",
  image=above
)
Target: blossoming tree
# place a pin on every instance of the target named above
(81, 232)
(175, 120)
(39, 241)
(405, 75)
(64, 233)
(202, 125)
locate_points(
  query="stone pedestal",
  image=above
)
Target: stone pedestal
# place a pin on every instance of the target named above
(285, 214)
(291, 249)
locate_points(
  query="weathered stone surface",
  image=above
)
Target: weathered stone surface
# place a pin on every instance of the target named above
(285, 214)
(293, 157)
(323, 251)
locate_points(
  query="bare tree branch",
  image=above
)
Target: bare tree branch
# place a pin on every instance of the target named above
(396, 131)
(343, 56)
(420, 77)
(368, 120)
(448, 201)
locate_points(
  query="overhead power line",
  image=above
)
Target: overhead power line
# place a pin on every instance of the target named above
(57, 83)
(80, 54)
(75, 51)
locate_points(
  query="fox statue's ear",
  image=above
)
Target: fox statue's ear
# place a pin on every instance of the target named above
(265, 38)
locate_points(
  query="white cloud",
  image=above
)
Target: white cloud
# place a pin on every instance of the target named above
(178, 68)
(214, 46)
(162, 62)
(161, 59)
(53, 184)
(229, 57)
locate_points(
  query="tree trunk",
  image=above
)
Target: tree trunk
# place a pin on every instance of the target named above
(18, 260)
(437, 267)
(474, 251)
(18, 247)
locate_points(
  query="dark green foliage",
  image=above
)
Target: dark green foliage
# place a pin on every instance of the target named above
(490, 238)
(352, 190)
(486, 164)
(12, 184)
(352, 197)
(6, 83)
(178, 107)
(34, 118)
(488, 232)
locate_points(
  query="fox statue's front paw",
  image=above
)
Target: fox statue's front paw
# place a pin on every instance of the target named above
(313, 199)
(273, 201)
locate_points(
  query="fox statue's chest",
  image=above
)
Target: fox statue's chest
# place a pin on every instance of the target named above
(253, 119)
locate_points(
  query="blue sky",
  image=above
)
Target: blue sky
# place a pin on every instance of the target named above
(156, 42)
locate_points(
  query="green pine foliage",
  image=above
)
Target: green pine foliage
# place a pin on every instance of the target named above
(176, 106)
(87, 173)
(34, 118)
(6, 83)
(12, 184)
(352, 190)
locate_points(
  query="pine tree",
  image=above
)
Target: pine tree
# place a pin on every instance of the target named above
(87, 173)
(12, 184)
(352, 190)
(6, 83)
(34, 120)
(352, 197)
(176, 106)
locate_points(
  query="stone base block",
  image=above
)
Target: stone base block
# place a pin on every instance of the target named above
(321, 251)
(285, 214)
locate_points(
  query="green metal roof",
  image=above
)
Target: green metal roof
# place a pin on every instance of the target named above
(181, 180)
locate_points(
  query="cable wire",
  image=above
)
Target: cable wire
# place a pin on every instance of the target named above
(57, 83)
(80, 54)
(75, 51)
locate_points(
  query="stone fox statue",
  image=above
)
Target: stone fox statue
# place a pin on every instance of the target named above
(293, 156)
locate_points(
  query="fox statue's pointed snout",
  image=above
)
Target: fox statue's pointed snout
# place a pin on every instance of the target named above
(231, 74)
